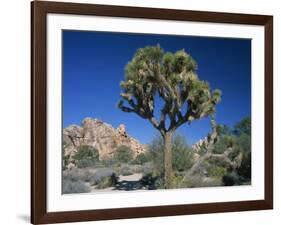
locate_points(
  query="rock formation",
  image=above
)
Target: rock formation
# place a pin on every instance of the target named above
(197, 146)
(102, 136)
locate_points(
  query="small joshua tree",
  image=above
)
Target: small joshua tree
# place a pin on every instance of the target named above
(153, 75)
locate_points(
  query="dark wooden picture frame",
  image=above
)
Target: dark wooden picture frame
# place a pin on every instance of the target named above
(39, 11)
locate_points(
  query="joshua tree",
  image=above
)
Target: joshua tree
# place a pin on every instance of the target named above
(171, 80)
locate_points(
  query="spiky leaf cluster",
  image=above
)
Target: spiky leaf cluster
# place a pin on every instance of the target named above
(172, 77)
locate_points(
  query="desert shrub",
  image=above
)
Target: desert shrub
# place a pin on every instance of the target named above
(182, 154)
(77, 174)
(177, 181)
(200, 181)
(123, 154)
(126, 170)
(244, 141)
(69, 186)
(140, 159)
(138, 168)
(224, 130)
(71, 175)
(100, 174)
(109, 162)
(217, 171)
(129, 169)
(155, 147)
(66, 160)
(180, 181)
(148, 168)
(108, 181)
(223, 143)
(74, 175)
(143, 158)
(86, 156)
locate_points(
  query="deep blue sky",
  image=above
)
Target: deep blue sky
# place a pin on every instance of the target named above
(93, 66)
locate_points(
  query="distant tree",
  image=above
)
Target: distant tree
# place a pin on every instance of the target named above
(243, 126)
(155, 149)
(182, 154)
(172, 79)
(224, 130)
(123, 154)
(66, 158)
(143, 158)
(243, 140)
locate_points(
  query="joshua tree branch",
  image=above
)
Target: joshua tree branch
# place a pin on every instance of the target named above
(224, 157)
(212, 139)
(126, 109)
(142, 113)
(209, 155)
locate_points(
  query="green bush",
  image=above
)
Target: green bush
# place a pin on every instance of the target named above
(177, 181)
(148, 168)
(108, 181)
(181, 181)
(86, 156)
(182, 154)
(199, 181)
(66, 159)
(223, 143)
(143, 158)
(217, 171)
(108, 162)
(244, 142)
(126, 170)
(99, 174)
(243, 126)
(156, 151)
(123, 154)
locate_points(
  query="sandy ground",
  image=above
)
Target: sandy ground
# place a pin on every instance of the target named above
(134, 178)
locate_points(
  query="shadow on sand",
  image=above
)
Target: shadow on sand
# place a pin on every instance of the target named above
(128, 185)
(147, 182)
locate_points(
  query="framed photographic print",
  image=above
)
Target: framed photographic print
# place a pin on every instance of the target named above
(143, 112)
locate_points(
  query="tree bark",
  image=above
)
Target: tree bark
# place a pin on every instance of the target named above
(168, 169)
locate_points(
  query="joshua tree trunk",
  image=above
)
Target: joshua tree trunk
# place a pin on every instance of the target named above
(168, 169)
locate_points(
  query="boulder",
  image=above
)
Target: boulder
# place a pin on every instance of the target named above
(100, 135)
